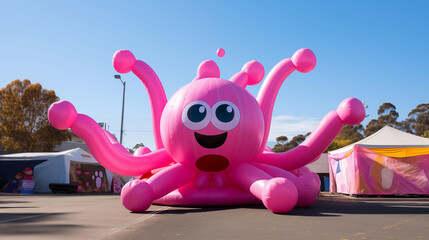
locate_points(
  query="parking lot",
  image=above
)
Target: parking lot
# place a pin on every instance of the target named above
(76, 216)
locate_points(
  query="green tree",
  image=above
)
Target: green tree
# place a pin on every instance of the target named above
(281, 140)
(138, 145)
(338, 143)
(348, 135)
(405, 126)
(284, 146)
(418, 119)
(387, 115)
(24, 124)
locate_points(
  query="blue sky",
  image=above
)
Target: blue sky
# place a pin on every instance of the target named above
(372, 50)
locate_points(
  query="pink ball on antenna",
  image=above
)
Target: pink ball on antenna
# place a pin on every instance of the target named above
(220, 52)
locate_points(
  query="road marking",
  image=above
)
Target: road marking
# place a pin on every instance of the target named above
(138, 220)
(22, 218)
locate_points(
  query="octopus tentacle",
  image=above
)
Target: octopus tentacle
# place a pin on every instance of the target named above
(63, 115)
(171, 178)
(251, 74)
(124, 61)
(240, 79)
(275, 171)
(303, 60)
(207, 69)
(350, 111)
(310, 149)
(113, 159)
(115, 143)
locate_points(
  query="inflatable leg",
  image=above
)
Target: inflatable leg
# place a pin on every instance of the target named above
(308, 190)
(309, 183)
(277, 194)
(305, 182)
(304, 170)
(276, 172)
(138, 195)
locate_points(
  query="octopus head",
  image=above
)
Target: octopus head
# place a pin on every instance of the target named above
(212, 124)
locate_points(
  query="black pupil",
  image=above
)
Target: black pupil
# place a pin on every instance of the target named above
(195, 114)
(225, 113)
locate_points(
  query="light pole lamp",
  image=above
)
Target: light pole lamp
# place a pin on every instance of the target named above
(123, 103)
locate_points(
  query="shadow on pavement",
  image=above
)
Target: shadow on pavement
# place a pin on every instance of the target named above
(186, 209)
(12, 202)
(34, 223)
(17, 207)
(327, 208)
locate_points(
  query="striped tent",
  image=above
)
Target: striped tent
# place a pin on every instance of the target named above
(389, 162)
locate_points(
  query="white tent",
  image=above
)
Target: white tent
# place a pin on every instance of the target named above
(388, 137)
(56, 168)
(389, 161)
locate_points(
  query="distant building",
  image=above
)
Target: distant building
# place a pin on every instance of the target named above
(74, 142)
(320, 166)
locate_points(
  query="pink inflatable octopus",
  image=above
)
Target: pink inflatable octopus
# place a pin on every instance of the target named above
(211, 140)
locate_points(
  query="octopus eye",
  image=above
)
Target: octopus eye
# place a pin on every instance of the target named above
(196, 115)
(225, 115)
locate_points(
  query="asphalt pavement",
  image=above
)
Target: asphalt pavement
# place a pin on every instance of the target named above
(75, 216)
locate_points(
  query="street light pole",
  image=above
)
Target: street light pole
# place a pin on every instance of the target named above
(123, 104)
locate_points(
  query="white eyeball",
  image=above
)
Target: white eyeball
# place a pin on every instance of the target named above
(225, 115)
(196, 115)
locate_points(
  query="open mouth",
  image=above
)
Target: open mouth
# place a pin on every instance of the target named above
(212, 163)
(211, 141)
